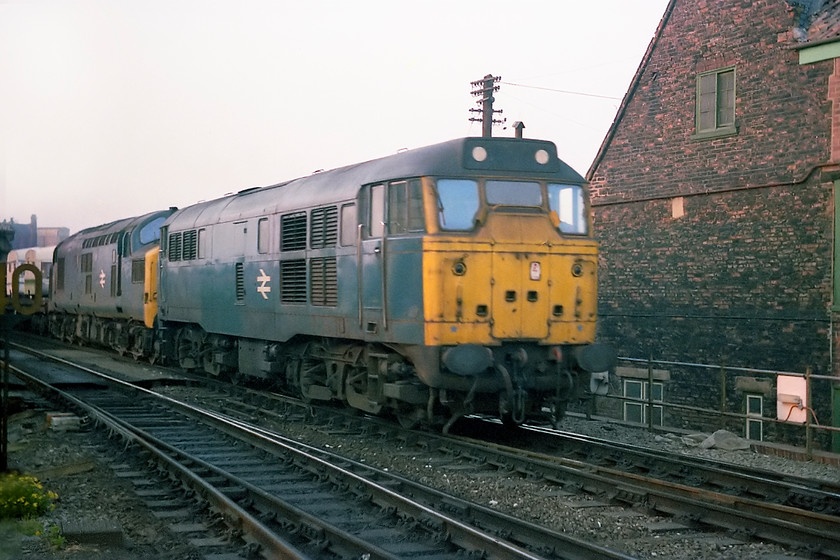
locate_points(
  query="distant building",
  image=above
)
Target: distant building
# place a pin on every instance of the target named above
(30, 235)
(48, 236)
(7, 235)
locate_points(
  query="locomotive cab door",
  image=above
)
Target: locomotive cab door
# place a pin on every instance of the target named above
(371, 257)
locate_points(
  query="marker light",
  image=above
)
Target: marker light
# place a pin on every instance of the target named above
(479, 153)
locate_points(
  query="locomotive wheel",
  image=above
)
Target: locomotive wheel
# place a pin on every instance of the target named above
(188, 348)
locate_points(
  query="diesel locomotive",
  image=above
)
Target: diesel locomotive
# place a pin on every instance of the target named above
(447, 280)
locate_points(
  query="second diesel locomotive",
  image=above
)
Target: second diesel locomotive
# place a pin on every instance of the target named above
(447, 280)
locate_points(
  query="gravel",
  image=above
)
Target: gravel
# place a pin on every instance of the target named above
(77, 465)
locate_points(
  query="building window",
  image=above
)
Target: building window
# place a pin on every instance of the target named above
(638, 411)
(716, 103)
(755, 411)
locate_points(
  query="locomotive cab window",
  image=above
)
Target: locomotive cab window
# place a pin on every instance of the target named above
(150, 232)
(147, 233)
(568, 208)
(458, 203)
(405, 207)
(513, 193)
(394, 208)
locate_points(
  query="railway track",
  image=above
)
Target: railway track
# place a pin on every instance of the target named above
(810, 495)
(296, 501)
(700, 495)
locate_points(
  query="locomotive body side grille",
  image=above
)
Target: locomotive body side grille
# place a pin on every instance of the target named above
(323, 228)
(324, 283)
(293, 232)
(293, 281)
(240, 282)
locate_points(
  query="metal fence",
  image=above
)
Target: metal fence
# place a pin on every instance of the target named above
(691, 396)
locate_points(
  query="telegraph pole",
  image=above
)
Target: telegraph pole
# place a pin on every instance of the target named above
(7, 234)
(484, 89)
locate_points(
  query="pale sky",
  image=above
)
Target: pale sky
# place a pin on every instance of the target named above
(114, 108)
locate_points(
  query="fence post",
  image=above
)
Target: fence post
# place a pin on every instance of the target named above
(809, 410)
(650, 394)
(4, 397)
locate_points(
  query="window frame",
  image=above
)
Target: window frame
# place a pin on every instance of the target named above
(263, 236)
(639, 406)
(348, 227)
(754, 418)
(719, 129)
(442, 212)
(405, 209)
(578, 210)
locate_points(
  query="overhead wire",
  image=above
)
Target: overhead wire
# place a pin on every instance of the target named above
(563, 91)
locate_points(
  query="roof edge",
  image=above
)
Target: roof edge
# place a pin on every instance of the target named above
(634, 84)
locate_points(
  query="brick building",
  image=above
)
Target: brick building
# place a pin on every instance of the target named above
(714, 195)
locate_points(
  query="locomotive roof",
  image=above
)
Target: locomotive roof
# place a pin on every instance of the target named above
(115, 227)
(455, 158)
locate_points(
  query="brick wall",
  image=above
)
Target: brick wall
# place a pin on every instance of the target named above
(742, 276)
(745, 273)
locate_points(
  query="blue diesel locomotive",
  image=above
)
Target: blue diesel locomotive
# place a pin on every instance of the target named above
(453, 279)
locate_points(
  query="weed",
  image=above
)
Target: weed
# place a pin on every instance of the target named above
(23, 497)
